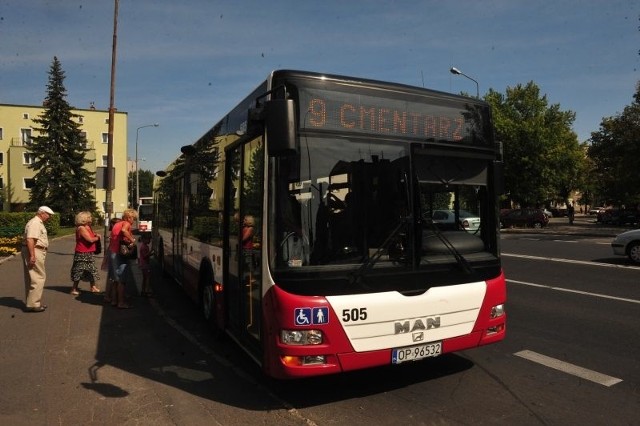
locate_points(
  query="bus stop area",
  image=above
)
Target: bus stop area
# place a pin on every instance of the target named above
(85, 362)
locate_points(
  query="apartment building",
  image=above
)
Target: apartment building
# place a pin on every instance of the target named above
(17, 127)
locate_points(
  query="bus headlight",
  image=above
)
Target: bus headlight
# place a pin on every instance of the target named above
(497, 311)
(301, 337)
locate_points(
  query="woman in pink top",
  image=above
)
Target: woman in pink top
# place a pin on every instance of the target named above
(121, 231)
(84, 267)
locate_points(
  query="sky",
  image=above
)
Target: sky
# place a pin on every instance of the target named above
(184, 64)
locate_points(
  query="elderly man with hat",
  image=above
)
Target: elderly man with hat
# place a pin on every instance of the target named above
(34, 253)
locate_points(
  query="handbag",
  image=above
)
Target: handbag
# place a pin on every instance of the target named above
(98, 245)
(128, 251)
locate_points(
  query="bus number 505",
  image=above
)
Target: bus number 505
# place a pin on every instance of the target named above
(354, 314)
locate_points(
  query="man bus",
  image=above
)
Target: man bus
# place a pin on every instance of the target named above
(345, 267)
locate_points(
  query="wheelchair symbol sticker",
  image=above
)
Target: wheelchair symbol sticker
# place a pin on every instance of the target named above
(309, 316)
(303, 316)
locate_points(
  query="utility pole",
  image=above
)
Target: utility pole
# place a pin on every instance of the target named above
(110, 175)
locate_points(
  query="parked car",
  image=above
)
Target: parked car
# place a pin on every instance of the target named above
(596, 210)
(628, 244)
(528, 218)
(467, 221)
(556, 212)
(618, 217)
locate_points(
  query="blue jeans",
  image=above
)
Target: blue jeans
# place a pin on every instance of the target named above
(117, 267)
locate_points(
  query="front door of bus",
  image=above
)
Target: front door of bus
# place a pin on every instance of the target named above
(243, 238)
(180, 202)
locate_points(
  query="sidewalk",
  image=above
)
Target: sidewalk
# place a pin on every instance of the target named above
(583, 225)
(82, 362)
(51, 359)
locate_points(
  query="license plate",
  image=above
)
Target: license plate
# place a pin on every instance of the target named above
(414, 353)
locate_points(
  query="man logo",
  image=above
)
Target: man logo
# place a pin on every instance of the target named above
(414, 325)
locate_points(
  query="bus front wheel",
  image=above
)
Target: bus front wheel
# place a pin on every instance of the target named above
(208, 299)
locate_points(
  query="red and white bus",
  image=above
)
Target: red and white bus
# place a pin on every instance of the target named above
(302, 224)
(144, 222)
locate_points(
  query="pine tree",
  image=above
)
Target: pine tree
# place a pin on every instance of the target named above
(61, 180)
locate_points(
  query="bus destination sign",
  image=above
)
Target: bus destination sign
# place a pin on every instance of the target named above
(353, 112)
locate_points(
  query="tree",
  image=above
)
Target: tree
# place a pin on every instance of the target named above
(615, 152)
(61, 180)
(145, 179)
(542, 156)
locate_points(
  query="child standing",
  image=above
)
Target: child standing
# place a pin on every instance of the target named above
(144, 256)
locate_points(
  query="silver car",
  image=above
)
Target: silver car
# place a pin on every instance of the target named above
(628, 244)
(467, 221)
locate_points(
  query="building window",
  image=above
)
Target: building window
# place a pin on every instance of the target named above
(106, 121)
(28, 158)
(105, 138)
(28, 183)
(1, 183)
(25, 116)
(80, 119)
(1, 133)
(85, 142)
(1, 158)
(25, 135)
(105, 159)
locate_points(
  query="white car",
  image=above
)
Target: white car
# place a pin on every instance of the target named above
(628, 244)
(468, 221)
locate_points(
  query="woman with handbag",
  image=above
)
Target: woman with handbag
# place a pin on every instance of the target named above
(84, 267)
(120, 235)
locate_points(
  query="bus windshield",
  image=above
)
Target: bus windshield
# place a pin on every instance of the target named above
(358, 203)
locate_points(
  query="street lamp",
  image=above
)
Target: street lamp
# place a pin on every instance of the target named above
(456, 71)
(137, 200)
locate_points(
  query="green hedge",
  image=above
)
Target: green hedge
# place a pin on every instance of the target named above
(206, 228)
(12, 228)
(13, 223)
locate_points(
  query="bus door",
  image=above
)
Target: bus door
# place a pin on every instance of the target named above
(177, 239)
(243, 237)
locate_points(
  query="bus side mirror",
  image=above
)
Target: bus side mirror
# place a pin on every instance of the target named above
(280, 121)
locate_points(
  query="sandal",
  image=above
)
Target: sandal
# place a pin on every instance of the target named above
(75, 292)
(95, 289)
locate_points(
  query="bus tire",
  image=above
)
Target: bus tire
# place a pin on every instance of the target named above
(208, 298)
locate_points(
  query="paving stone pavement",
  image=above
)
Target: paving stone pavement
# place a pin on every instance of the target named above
(82, 362)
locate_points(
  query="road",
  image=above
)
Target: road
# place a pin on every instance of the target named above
(570, 357)
(572, 300)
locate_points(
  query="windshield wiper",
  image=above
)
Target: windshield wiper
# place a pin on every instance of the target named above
(464, 264)
(356, 276)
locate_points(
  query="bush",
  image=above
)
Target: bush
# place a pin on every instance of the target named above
(206, 228)
(12, 228)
